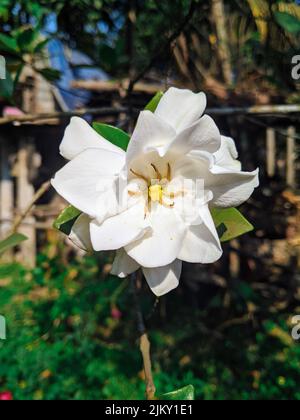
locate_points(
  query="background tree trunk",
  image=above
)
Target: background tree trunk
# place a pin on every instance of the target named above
(218, 16)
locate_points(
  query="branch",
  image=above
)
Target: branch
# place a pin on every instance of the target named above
(59, 115)
(119, 86)
(145, 350)
(19, 219)
(254, 110)
(169, 41)
(144, 342)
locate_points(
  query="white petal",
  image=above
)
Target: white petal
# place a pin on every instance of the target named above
(231, 188)
(162, 245)
(88, 182)
(79, 136)
(143, 166)
(163, 279)
(118, 231)
(151, 133)
(187, 205)
(194, 166)
(181, 108)
(201, 243)
(227, 155)
(203, 135)
(80, 233)
(123, 265)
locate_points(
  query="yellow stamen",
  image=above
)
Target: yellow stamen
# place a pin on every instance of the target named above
(139, 176)
(156, 193)
(169, 174)
(135, 193)
(169, 206)
(156, 171)
(173, 194)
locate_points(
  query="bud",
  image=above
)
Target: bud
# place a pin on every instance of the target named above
(6, 396)
(116, 313)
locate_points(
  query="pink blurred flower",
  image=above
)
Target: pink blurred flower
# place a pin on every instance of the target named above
(116, 313)
(6, 396)
(10, 111)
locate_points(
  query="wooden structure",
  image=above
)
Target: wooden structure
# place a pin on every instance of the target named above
(29, 146)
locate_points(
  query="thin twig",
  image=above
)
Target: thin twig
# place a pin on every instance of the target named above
(153, 310)
(27, 118)
(144, 342)
(266, 110)
(145, 350)
(280, 132)
(263, 110)
(19, 219)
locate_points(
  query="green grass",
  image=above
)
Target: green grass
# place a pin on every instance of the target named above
(64, 342)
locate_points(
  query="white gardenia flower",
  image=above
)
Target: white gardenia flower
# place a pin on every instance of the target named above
(152, 203)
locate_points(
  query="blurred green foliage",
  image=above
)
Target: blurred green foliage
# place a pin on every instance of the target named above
(72, 335)
(12, 241)
(122, 36)
(23, 47)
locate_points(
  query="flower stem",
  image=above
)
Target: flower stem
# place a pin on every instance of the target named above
(144, 342)
(20, 218)
(145, 350)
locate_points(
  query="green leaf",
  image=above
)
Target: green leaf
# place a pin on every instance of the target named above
(230, 223)
(4, 10)
(186, 393)
(12, 241)
(66, 220)
(36, 9)
(115, 135)
(153, 104)
(41, 45)
(25, 39)
(18, 75)
(8, 43)
(221, 229)
(288, 22)
(50, 74)
(7, 87)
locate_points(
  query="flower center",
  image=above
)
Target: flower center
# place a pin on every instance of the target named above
(158, 188)
(156, 193)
